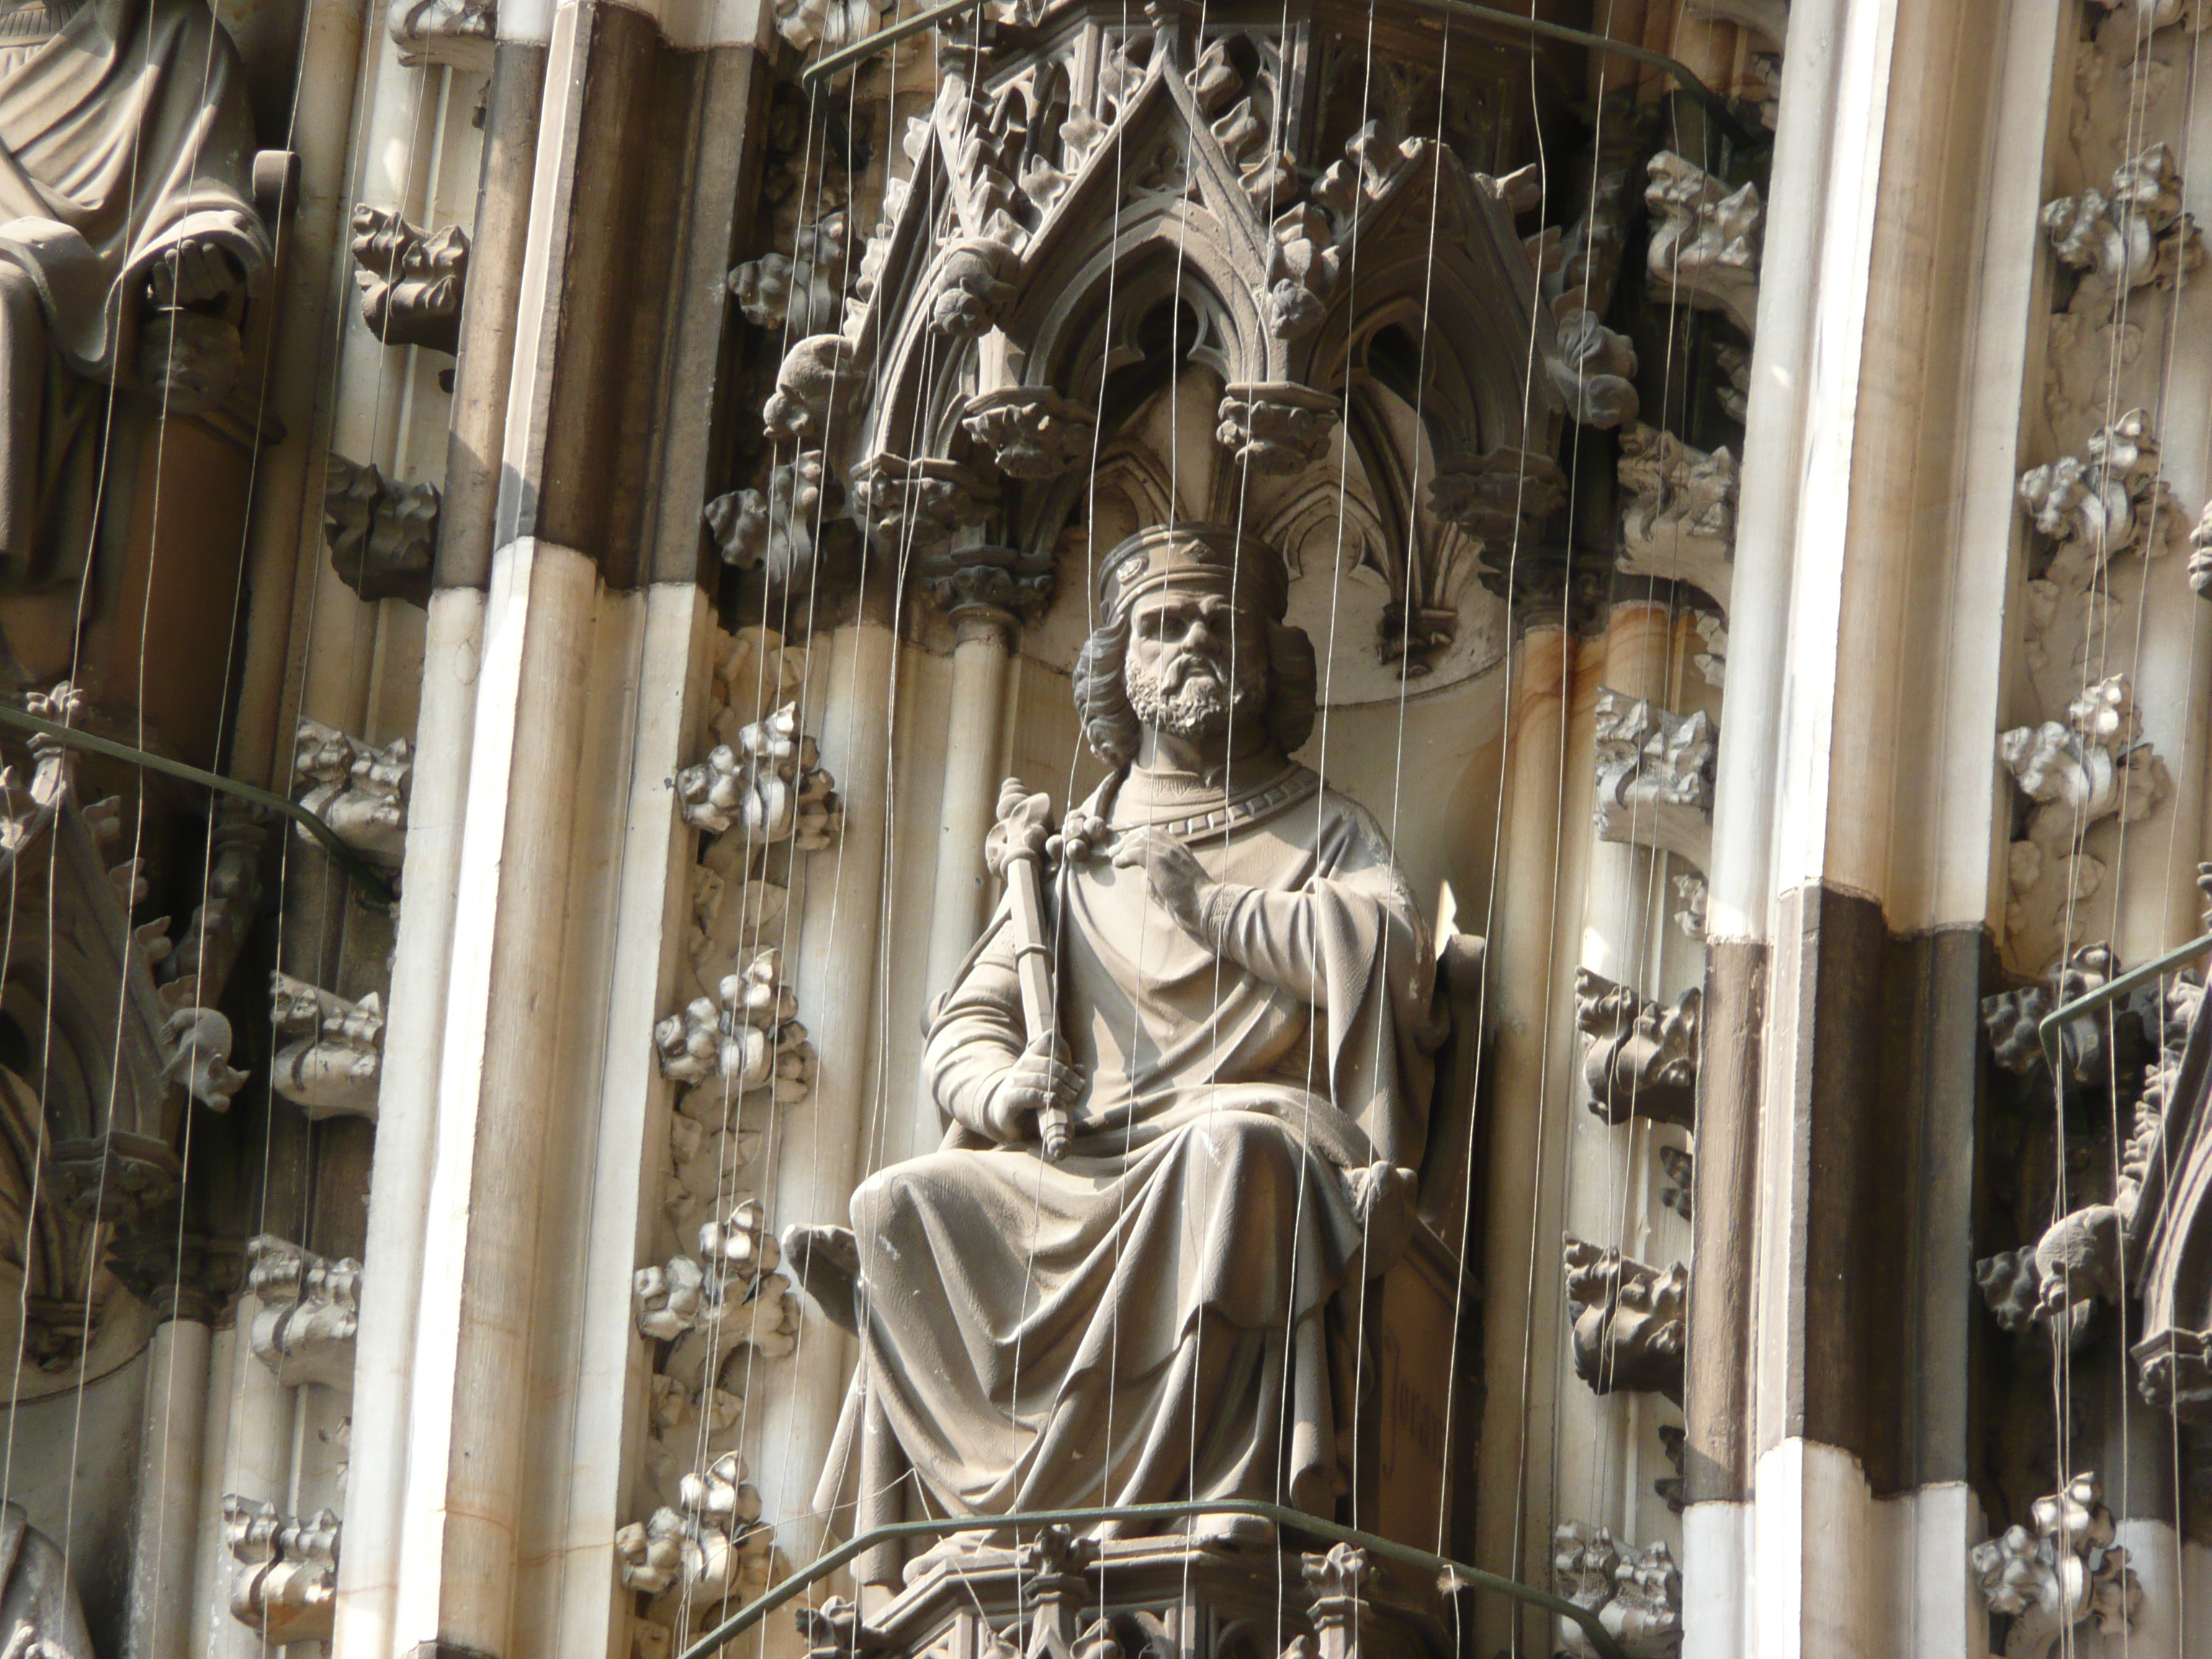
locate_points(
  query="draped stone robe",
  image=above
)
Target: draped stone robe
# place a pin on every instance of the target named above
(123, 132)
(1169, 1312)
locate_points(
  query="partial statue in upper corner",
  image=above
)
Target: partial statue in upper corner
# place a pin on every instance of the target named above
(128, 242)
(1186, 1072)
(40, 1618)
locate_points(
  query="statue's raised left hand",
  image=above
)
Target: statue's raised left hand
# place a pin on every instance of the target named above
(1178, 881)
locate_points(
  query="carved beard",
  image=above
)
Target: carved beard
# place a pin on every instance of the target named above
(1194, 697)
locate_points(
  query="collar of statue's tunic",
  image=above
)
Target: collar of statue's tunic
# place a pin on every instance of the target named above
(37, 21)
(1207, 811)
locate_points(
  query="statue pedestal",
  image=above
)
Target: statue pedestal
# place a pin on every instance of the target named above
(1160, 1597)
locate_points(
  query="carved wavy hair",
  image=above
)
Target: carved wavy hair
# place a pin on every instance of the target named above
(1109, 725)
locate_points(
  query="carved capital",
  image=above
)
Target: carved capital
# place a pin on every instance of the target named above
(913, 505)
(1030, 431)
(788, 532)
(1628, 1329)
(988, 583)
(304, 1330)
(1276, 427)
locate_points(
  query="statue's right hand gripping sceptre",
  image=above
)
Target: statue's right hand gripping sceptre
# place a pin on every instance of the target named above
(1016, 850)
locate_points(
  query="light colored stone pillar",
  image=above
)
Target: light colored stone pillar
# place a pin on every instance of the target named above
(164, 1533)
(961, 900)
(1606, 1163)
(823, 1154)
(1521, 1253)
(257, 1464)
(209, 1605)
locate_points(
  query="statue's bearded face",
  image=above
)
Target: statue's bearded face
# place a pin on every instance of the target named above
(1194, 664)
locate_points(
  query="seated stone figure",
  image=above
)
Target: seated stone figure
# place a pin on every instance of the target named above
(127, 234)
(1243, 984)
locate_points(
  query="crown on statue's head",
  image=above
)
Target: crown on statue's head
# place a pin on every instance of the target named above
(1195, 558)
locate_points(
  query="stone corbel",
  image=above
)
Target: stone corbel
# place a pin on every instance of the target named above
(787, 532)
(1639, 1057)
(2132, 235)
(382, 533)
(412, 282)
(2110, 499)
(1628, 1324)
(728, 1295)
(2065, 1572)
(332, 1061)
(1655, 777)
(2093, 765)
(304, 1330)
(284, 1573)
(1680, 522)
(1637, 1593)
(711, 1545)
(802, 290)
(1705, 240)
(358, 790)
(1498, 499)
(769, 784)
(748, 1038)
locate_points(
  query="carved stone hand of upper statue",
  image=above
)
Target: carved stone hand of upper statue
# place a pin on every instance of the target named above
(1040, 1078)
(1177, 881)
(192, 272)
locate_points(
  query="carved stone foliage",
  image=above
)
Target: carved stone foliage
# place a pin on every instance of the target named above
(1030, 432)
(356, 788)
(412, 282)
(747, 1038)
(2065, 1572)
(915, 505)
(1678, 524)
(459, 33)
(2130, 235)
(304, 1330)
(726, 1296)
(767, 785)
(382, 533)
(709, 1544)
(1628, 1320)
(791, 531)
(801, 290)
(1637, 1593)
(1639, 1057)
(1705, 239)
(987, 583)
(1655, 776)
(2107, 501)
(330, 1059)
(2072, 775)
(284, 1573)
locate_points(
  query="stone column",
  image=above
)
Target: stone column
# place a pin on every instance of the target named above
(406, 1138)
(1520, 1252)
(826, 1142)
(1605, 1163)
(165, 1536)
(257, 1463)
(210, 1607)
